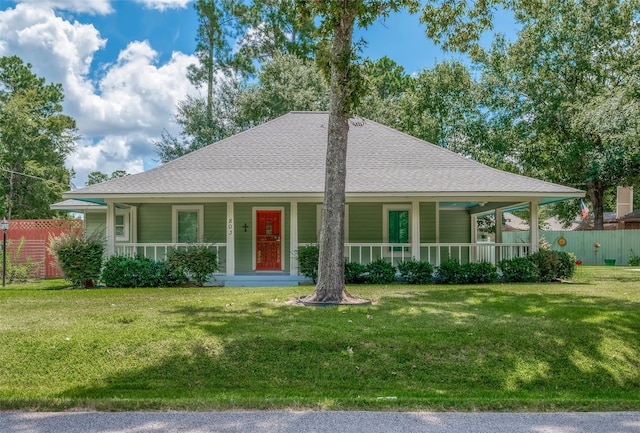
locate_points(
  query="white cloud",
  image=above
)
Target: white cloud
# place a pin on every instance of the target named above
(162, 5)
(107, 155)
(95, 7)
(55, 47)
(122, 112)
(136, 94)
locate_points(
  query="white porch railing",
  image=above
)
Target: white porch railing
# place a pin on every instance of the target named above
(159, 251)
(435, 253)
(366, 253)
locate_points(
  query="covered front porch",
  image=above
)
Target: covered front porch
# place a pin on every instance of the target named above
(426, 230)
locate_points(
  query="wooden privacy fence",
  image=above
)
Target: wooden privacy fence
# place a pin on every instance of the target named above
(614, 244)
(36, 241)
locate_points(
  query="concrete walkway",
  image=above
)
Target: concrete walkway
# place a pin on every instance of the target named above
(318, 422)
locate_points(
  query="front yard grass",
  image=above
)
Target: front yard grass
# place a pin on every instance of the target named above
(499, 347)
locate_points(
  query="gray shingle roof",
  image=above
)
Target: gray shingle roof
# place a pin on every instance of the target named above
(287, 156)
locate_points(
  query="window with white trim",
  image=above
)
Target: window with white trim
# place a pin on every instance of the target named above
(188, 224)
(122, 224)
(396, 220)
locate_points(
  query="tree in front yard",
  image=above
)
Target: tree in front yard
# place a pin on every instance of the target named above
(337, 20)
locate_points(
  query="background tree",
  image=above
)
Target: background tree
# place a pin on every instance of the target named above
(445, 106)
(285, 83)
(99, 177)
(274, 27)
(198, 127)
(234, 38)
(35, 139)
(217, 28)
(566, 94)
(218, 69)
(386, 83)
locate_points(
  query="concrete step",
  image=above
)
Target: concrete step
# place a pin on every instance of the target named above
(260, 280)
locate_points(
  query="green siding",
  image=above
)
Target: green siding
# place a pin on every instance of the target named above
(427, 222)
(455, 227)
(365, 222)
(95, 222)
(308, 223)
(215, 217)
(154, 223)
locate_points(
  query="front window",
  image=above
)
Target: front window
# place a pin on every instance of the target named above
(119, 226)
(399, 226)
(396, 220)
(122, 225)
(187, 224)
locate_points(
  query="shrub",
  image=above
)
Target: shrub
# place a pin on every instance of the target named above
(416, 272)
(452, 272)
(308, 257)
(567, 265)
(198, 262)
(633, 259)
(354, 273)
(79, 256)
(123, 271)
(519, 270)
(449, 272)
(553, 265)
(477, 273)
(380, 272)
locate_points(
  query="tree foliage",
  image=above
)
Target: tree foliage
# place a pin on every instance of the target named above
(234, 40)
(35, 138)
(99, 177)
(566, 92)
(198, 127)
(285, 83)
(274, 27)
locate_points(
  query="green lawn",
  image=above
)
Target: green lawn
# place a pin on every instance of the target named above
(572, 346)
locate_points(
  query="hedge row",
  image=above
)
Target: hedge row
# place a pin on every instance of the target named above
(80, 258)
(542, 266)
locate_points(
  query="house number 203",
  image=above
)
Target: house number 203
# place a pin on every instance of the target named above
(230, 227)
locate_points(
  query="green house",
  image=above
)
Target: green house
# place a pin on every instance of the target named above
(256, 197)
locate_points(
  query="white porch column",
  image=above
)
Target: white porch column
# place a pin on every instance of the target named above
(474, 238)
(133, 224)
(437, 233)
(293, 230)
(533, 226)
(415, 230)
(498, 218)
(231, 255)
(110, 231)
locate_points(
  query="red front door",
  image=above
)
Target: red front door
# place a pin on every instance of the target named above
(268, 240)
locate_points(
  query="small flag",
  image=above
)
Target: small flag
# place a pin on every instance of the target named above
(585, 209)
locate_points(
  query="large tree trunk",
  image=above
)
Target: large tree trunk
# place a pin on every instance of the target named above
(596, 195)
(330, 287)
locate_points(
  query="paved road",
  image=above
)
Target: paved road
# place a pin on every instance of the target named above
(318, 422)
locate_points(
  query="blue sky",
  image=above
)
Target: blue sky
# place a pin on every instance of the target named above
(122, 64)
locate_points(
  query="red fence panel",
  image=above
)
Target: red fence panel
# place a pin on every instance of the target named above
(36, 235)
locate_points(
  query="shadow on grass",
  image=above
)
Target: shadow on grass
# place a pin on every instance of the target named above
(421, 346)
